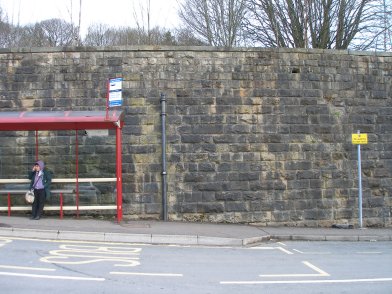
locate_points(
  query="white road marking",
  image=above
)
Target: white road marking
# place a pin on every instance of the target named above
(147, 274)
(311, 252)
(314, 252)
(369, 252)
(27, 268)
(281, 243)
(307, 281)
(51, 277)
(4, 242)
(88, 260)
(272, 248)
(262, 248)
(78, 254)
(320, 272)
(284, 250)
(315, 268)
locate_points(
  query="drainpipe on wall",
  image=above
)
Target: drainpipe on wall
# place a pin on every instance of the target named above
(164, 173)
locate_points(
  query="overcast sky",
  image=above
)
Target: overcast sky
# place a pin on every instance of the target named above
(114, 13)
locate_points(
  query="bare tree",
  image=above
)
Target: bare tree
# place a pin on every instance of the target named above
(142, 17)
(103, 35)
(48, 33)
(10, 34)
(216, 22)
(378, 35)
(185, 37)
(58, 32)
(155, 36)
(99, 35)
(77, 33)
(310, 23)
(80, 17)
(5, 30)
(31, 36)
(51, 33)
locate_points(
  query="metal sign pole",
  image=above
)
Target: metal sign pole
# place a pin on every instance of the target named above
(36, 145)
(359, 185)
(77, 171)
(107, 99)
(119, 173)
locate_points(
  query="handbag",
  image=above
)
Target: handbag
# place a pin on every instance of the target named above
(29, 196)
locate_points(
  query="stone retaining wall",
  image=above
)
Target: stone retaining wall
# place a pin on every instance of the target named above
(253, 135)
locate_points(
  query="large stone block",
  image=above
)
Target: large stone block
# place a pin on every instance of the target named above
(210, 208)
(232, 206)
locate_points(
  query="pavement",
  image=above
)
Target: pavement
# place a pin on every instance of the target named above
(177, 233)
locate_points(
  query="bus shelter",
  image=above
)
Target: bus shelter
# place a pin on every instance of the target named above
(71, 120)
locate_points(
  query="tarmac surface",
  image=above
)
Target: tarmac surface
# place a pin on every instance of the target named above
(178, 233)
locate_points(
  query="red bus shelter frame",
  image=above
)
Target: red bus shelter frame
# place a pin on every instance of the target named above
(71, 120)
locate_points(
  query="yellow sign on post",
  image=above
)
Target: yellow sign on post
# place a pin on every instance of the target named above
(359, 139)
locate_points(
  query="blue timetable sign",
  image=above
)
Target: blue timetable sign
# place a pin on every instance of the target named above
(115, 92)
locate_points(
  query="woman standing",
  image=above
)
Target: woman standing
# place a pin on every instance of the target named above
(40, 182)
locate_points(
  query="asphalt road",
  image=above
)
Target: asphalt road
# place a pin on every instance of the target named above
(44, 266)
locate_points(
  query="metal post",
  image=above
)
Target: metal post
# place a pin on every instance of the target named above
(107, 99)
(359, 185)
(36, 145)
(119, 174)
(9, 203)
(61, 206)
(164, 173)
(77, 172)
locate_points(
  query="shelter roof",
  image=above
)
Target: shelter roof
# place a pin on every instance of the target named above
(60, 120)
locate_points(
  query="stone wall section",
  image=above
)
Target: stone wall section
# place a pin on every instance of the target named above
(253, 135)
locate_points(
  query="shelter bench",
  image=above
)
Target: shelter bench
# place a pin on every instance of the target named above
(61, 192)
